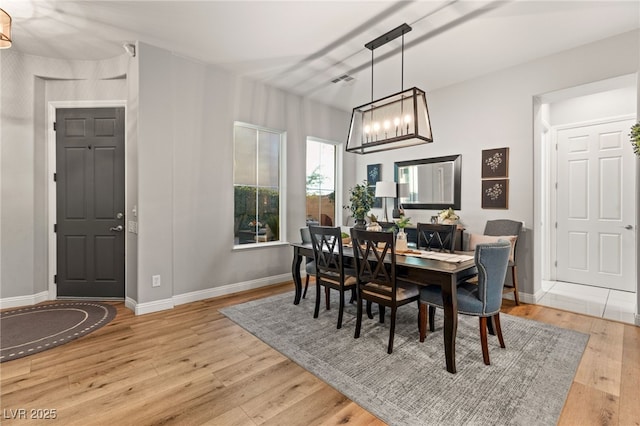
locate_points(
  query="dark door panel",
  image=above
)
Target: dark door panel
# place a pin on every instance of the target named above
(90, 202)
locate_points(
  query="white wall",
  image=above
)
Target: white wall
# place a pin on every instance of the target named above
(495, 111)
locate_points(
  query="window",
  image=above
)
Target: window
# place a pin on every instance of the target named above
(321, 183)
(256, 184)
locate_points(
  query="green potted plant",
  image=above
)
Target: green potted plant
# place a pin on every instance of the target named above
(635, 138)
(361, 200)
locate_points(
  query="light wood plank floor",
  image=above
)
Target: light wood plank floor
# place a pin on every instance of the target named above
(191, 366)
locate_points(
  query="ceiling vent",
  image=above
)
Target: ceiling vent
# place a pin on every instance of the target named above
(345, 78)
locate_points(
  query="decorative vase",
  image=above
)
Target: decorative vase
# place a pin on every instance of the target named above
(374, 226)
(401, 240)
(360, 224)
(449, 221)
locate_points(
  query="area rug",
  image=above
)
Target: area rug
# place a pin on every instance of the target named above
(526, 383)
(33, 329)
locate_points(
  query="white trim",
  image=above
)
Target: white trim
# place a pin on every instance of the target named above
(13, 302)
(194, 296)
(51, 169)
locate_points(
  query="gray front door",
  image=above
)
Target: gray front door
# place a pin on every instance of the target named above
(90, 202)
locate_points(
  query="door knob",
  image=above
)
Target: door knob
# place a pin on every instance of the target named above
(628, 227)
(118, 228)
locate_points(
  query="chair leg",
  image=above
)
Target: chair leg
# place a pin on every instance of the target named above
(317, 308)
(353, 295)
(496, 321)
(369, 313)
(341, 309)
(381, 312)
(327, 298)
(432, 318)
(422, 321)
(483, 340)
(392, 329)
(359, 317)
(514, 279)
(306, 286)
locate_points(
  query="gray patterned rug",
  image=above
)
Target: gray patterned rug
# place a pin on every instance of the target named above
(32, 329)
(526, 383)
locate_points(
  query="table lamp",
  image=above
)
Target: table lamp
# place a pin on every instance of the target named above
(385, 190)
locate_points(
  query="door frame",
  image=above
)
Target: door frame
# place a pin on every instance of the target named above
(52, 106)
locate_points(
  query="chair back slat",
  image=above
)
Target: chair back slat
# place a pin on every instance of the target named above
(327, 251)
(432, 236)
(371, 249)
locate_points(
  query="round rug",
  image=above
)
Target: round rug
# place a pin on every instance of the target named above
(33, 329)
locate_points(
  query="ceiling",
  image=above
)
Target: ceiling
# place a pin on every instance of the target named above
(301, 46)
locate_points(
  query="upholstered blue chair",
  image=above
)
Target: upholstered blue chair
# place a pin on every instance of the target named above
(482, 300)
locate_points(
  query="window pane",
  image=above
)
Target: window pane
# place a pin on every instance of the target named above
(244, 156)
(321, 183)
(256, 185)
(269, 164)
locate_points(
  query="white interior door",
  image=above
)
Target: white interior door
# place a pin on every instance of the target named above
(595, 206)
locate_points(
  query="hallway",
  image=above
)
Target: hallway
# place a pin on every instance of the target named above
(595, 301)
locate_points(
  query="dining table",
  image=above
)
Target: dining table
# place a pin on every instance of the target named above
(422, 268)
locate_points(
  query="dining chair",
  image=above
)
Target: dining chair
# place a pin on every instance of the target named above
(435, 236)
(508, 227)
(482, 300)
(504, 229)
(330, 269)
(377, 282)
(310, 264)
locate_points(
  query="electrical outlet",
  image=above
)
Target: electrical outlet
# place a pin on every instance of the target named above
(155, 281)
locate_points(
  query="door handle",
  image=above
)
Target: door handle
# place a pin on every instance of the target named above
(629, 227)
(118, 228)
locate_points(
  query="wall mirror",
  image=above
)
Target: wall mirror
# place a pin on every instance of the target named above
(429, 183)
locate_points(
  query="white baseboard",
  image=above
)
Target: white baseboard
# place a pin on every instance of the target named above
(638, 320)
(194, 296)
(33, 299)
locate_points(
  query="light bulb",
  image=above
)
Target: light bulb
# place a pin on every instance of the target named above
(396, 121)
(386, 124)
(407, 118)
(376, 126)
(367, 129)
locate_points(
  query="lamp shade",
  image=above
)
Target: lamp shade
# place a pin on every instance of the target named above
(385, 189)
(5, 30)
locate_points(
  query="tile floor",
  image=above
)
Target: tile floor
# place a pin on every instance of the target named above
(601, 302)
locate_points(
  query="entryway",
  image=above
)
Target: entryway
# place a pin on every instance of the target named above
(90, 202)
(586, 196)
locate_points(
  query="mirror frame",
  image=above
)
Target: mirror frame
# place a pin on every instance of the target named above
(457, 169)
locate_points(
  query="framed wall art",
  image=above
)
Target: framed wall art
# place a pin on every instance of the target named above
(495, 194)
(495, 163)
(374, 173)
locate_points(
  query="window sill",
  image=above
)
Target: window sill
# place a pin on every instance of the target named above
(252, 246)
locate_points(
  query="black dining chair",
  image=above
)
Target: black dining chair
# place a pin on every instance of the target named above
(375, 261)
(482, 300)
(310, 264)
(435, 236)
(330, 269)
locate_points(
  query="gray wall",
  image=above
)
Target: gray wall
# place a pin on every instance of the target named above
(497, 110)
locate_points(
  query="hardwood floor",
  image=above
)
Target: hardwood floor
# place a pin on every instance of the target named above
(191, 366)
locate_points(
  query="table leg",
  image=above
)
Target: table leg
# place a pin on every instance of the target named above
(295, 271)
(450, 301)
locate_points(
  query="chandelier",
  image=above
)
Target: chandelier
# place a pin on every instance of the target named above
(396, 121)
(5, 30)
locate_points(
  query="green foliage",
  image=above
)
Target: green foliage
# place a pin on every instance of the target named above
(361, 200)
(403, 222)
(635, 138)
